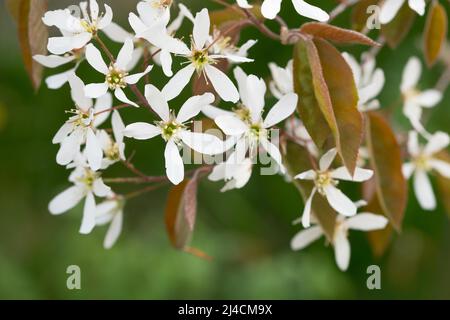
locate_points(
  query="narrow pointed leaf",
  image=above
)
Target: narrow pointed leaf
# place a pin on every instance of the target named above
(336, 34)
(379, 240)
(435, 32)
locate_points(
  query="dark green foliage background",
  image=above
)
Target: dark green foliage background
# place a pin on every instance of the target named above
(247, 231)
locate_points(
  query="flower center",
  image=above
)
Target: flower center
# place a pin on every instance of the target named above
(243, 113)
(80, 118)
(257, 131)
(116, 78)
(200, 59)
(89, 27)
(422, 162)
(112, 152)
(411, 94)
(323, 180)
(161, 4)
(88, 178)
(170, 129)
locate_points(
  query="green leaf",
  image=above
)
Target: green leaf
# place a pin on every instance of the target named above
(396, 30)
(435, 33)
(386, 161)
(33, 34)
(297, 160)
(336, 34)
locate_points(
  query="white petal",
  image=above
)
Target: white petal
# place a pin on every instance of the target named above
(306, 216)
(360, 174)
(125, 55)
(408, 169)
(100, 188)
(95, 59)
(178, 82)
(341, 250)
(203, 143)
(102, 104)
(418, 6)
(201, 28)
(366, 222)
(141, 131)
(137, 24)
(120, 95)
(53, 61)
(428, 98)
(70, 147)
(133, 79)
(157, 101)
(213, 112)
(281, 110)
(106, 19)
(413, 143)
(306, 237)
(270, 8)
(116, 33)
(66, 200)
(310, 11)
(424, 190)
(62, 133)
(273, 151)
(441, 166)
(224, 87)
(231, 125)
(114, 231)
(243, 4)
(389, 10)
(255, 96)
(232, 58)
(58, 80)
(96, 90)
(307, 175)
(327, 159)
(193, 106)
(118, 126)
(88, 221)
(93, 6)
(77, 93)
(439, 141)
(375, 86)
(94, 152)
(166, 62)
(354, 65)
(174, 163)
(159, 38)
(411, 73)
(61, 45)
(339, 201)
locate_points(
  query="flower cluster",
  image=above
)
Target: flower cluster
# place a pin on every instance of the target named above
(248, 132)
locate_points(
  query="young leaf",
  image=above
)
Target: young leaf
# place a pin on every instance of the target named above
(336, 92)
(386, 160)
(336, 34)
(379, 239)
(308, 106)
(232, 13)
(33, 34)
(435, 32)
(396, 30)
(297, 160)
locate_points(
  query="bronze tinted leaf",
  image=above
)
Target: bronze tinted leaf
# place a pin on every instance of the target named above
(386, 161)
(379, 239)
(297, 160)
(396, 30)
(336, 92)
(435, 32)
(360, 15)
(336, 34)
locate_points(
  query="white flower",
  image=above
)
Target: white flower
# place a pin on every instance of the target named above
(54, 61)
(80, 128)
(297, 129)
(116, 75)
(174, 130)
(390, 8)
(364, 221)
(414, 99)
(369, 81)
(199, 59)
(244, 4)
(423, 162)
(270, 9)
(325, 182)
(246, 123)
(76, 31)
(113, 149)
(87, 184)
(156, 14)
(110, 211)
(235, 173)
(282, 79)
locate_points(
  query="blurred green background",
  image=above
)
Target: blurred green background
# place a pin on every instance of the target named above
(247, 232)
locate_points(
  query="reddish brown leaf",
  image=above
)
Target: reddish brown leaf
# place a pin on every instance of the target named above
(336, 34)
(386, 160)
(360, 15)
(379, 239)
(435, 32)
